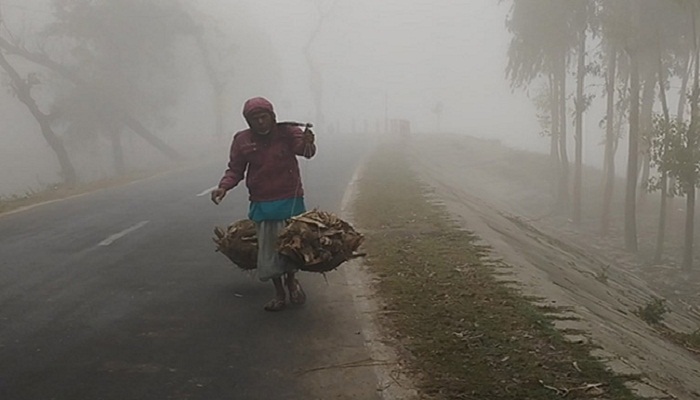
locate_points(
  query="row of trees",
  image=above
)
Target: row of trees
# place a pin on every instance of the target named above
(637, 47)
(97, 70)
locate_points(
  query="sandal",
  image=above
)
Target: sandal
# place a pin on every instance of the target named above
(275, 305)
(296, 293)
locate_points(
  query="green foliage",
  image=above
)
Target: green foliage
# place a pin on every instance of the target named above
(694, 339)
(586, 103)
(543, 103)
(671, 153)
(543, 31)
(653, 312)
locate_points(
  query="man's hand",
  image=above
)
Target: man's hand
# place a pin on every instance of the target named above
(309, 137)
(217, 195)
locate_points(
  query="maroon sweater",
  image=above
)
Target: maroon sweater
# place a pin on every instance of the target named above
(268, 163)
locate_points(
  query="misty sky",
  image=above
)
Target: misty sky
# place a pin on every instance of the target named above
(419, 52)
(413, 53)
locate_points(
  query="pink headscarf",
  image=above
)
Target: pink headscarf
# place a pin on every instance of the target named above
(257, 104)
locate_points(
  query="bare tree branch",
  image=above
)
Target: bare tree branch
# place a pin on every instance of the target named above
(23, 90)
(67, 73)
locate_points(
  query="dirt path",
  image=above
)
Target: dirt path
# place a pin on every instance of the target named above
(507, 206)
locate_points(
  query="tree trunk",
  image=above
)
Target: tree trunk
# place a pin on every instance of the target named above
(215, 83)
(609, 141)
(683, 92)
(689, 228)
(315, 76)
(645, 172)
(680, 119)
(632, 155)
(692, 147)
(149, 137)
(580, 106)
(645, 129)
(564, 168)
(23, 91)
(661, 234)
(554, 160)
(68, 74)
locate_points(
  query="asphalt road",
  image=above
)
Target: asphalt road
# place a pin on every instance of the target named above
(118, 294)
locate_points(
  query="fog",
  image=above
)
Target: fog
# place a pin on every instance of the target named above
(376, 61)
(409, 55)
(91, 90)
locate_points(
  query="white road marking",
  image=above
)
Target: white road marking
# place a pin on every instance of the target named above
(121, 234)
(206, 192)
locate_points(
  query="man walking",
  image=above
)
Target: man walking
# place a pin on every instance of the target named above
(266, 156)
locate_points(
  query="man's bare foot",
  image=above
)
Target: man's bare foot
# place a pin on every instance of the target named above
(296, 292)
(279, 302)
(275, 304)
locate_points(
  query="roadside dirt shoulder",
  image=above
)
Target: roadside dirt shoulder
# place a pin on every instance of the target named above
(392, 383)
(507, 208)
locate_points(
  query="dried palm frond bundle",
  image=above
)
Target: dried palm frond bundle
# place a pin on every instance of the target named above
(239, 243)
(319, 241)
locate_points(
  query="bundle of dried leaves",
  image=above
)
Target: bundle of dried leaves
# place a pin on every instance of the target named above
(239, 243)
(316, 241)
(319, 241)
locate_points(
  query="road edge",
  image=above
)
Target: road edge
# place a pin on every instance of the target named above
(392, 382)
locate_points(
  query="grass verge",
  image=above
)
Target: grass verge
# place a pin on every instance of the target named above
(467, 336)
(689, 341)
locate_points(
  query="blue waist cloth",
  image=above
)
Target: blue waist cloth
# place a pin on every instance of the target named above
(276, 210)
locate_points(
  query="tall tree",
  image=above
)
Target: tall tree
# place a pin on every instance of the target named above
(324, 9)
(610, 138)
(640, 35)
(614, 28)
(541, 41)
(672, 158)
(632, 153)
(554, 158)
(216, 79)
(121, 69)
(127, 66)
(684, 71)
(584, 13)
(564, 170)
(646, 112)
(690, 177)
(662, 130)
(22, 88)
(660, 144)
(675, 147)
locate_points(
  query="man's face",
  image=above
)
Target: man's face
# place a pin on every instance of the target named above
(261, 122)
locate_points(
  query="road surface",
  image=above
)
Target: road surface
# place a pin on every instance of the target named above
(118, 294)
